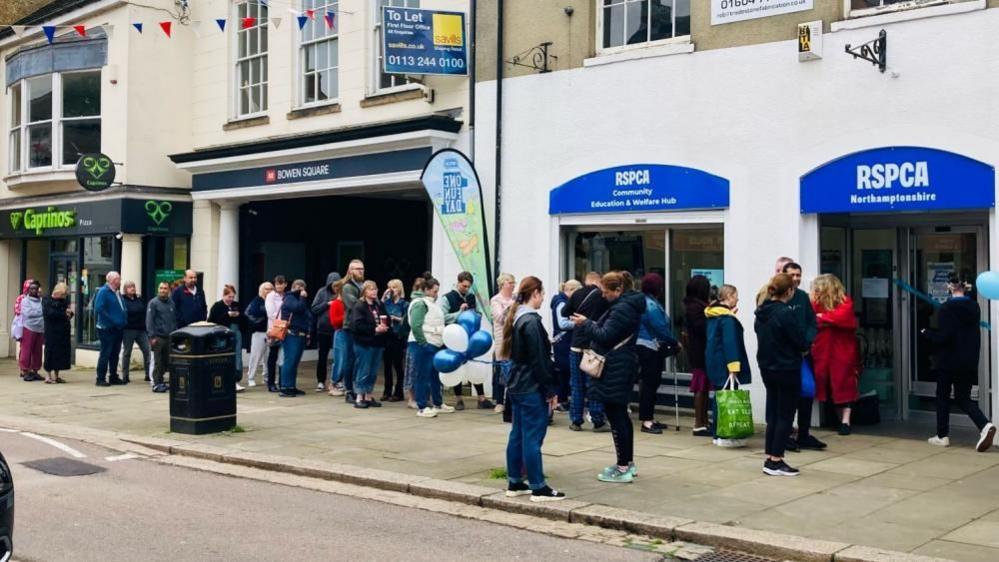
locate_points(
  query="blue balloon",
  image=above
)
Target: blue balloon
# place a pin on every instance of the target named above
(447, 361)
(470, 321)
(479, 344)
(988, 285)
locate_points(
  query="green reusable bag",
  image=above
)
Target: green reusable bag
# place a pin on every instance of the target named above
(735, 414)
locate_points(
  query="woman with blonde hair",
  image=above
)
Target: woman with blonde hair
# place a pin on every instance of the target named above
(396, 307)
(256, 318)
(57, 314)
(498, 306)
(369, 324)
(834, 351)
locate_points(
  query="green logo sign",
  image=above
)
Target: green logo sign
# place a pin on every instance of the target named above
(95, 172)
(158, 211)
(40, 221)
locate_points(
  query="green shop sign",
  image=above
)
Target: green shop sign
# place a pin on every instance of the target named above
(40, 221)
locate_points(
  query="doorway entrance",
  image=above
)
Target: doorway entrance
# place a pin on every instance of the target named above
(897, 276)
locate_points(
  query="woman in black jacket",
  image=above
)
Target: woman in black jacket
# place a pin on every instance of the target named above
(695, 325)
(781, 346)
(369, 322)
(532, 390)
(613, 337)
(226, 312)
(57, 314)
(296, 310)
(958, 341)
(135, 330)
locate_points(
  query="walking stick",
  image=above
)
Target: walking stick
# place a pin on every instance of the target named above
(676, 394)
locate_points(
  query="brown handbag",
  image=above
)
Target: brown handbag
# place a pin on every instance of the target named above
(279, 329)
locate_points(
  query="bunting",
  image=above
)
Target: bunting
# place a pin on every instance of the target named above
(221, 24)
(137, 26)
(249, 22)
(166, 26)
(302, 20)
(276, 22)
(81, 30)
(330, 20)
(49, 32)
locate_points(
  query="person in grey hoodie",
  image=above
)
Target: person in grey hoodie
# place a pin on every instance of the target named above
(161, 321)
(324, 330)
(351, 294)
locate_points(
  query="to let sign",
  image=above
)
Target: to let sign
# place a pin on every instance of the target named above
(423, 42)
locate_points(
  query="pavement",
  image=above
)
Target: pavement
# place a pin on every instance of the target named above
(137, 508)
(873, 490)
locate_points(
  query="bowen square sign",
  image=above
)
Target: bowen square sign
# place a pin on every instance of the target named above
(904, 178)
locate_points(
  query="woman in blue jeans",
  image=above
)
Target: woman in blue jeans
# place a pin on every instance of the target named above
(426, 337)
(368, 324)
(532, 391)
(296, 310)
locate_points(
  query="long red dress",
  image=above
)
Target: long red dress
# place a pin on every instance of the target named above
(834, 354)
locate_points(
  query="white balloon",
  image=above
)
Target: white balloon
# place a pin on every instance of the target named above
(456, 338)
(454, 378)
(477, 373)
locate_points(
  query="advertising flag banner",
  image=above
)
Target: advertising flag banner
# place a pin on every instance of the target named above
(456, 195)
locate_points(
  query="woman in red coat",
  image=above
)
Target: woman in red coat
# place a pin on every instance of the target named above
(834, 352)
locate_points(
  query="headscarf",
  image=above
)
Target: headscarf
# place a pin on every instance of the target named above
(24, 293)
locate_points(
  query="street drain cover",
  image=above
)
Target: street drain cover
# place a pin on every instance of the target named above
(60, 466)
(729, 556)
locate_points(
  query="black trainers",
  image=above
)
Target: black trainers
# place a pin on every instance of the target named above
(486, 404)
(115, 381)
(102, 382)
(778, 468)
(459, 405)
(844, 429)
(576, 427)
(160, 388)
(792, 445)
(519, 489)
(810, 442)
(601, 428)
(653, 430)
(702, 432)
(287, 393)
(546, 494)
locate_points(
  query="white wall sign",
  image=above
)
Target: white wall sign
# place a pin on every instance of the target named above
(728, 11)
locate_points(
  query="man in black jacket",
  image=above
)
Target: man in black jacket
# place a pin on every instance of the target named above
(458, 300)
(589, 302)
(801, 305)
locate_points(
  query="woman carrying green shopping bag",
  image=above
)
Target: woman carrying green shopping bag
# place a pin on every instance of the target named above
(727, 366)
(782, 346)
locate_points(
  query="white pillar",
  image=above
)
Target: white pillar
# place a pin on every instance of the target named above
(131, 259)
(10, 286)
(228, 254)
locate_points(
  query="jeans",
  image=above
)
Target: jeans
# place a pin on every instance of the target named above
(523, 450)
(783, 396)
(343, 359)
(293, 347)
(274, 352)
(962, 397)
(161, 358)
(650, 375)
(110, 352)
(426, 386)
(239, 353)
(393, 355)
(578, 382)
(366, 363)
(501, 371)
(622, 431)
(325, 345)
(258, 352)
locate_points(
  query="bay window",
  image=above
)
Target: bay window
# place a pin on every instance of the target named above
(54, 119)
(384, 80)
(319, 54)
(251, 59)
(623, 23)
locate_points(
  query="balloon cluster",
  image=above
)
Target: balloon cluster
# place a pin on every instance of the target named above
(464, 341)
(988, 285)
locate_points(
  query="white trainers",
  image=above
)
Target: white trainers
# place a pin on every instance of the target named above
(427, 413)
(444, 409)
(986, 438)
(498, 409)
(251, 383)
(240, 388)
(939, 441)
(320, 387)
(412, 405)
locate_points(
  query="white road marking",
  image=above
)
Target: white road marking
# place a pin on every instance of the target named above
(61, 446)
(5, 430)
(122, 457)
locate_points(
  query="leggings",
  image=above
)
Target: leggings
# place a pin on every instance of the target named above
(393, 355)
(649, 377)
(622, 432)
(783, 392)
(480, 390)
(325, 345)
(272, 359)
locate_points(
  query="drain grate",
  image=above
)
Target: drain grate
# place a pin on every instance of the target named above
(60, 466)
(729, 556)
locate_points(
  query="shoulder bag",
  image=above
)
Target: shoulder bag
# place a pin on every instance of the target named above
(592, 363)
(279, 329)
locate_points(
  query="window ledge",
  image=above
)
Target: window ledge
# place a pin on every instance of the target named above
(247, 122)
(313, 111)
(641, 53)
(384, 98)
(42, 176)
(909, 14)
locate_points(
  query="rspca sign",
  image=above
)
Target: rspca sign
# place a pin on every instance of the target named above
(639, 188)
(903, 178)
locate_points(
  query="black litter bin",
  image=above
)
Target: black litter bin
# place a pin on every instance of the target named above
(202, 381)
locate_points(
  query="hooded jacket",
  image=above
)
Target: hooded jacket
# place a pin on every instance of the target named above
(724, 346)
(620, 324)
(321, 305)
(780, 337)
(696, 325)
(531, 367)
(958, 339)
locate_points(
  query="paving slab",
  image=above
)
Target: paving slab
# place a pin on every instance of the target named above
(628, 520)
(958, 551)
(763, 543)
(867, 554)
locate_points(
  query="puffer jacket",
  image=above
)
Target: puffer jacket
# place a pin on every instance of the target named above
(296, 309)
(619, 324)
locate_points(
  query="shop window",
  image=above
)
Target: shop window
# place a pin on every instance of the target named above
(251, 59)
(54, 118)
(859, 8)
(319, 54)
(633, 23)
(98, 261)
(696, 252)
(385, 81)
